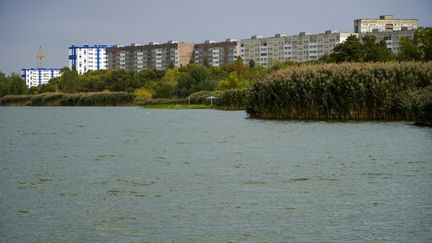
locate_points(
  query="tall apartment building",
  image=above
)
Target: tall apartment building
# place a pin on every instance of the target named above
(153, 55)
(216, 53)
(38, 76)
(87, 57)
(299, 48)
(392, 38)
(384, 23)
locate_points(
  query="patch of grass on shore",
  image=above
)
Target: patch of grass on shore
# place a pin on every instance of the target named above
(176, 106)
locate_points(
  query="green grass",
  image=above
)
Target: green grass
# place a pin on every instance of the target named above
(176, 106)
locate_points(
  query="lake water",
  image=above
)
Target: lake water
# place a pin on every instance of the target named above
(129, 174)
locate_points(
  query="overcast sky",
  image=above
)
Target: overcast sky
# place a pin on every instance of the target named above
(55, 24)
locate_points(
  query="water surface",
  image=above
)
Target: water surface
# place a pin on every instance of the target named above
(129, 174)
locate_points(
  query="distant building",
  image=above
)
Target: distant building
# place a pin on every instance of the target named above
(87, 57)
(298, 48)
(384, 23)
(216, 53)
(152, 55)
(38, 76)
(392, 38)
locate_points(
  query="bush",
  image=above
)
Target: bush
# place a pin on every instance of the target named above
(98, 99)
(15, 100)
(44, 99)
(233, 99)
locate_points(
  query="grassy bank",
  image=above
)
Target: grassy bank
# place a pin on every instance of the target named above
(62, 99)
(349, 91)
(176, 106)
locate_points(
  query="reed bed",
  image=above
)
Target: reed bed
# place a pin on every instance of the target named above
(348, 91)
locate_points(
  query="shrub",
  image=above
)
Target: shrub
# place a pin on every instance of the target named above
(15, 100)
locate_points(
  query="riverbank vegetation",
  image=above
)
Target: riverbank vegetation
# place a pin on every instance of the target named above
(77, 99)
(358, 91)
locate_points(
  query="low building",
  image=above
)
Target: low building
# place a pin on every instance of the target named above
(216, 54)
(87, 57)
(152, 55)
(38, 76)
(392, 38)
(384, 23)
(298, 48)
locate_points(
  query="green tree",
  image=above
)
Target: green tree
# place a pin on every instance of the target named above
(233, 81)
(237, 66)
(374, 51)
(423, 39)
(168, 84)
(251, 63)
(69, 81)
(408, 50)
(366, 49)
(192, 78)
(348, 51)
(419, 48)
(17, 85)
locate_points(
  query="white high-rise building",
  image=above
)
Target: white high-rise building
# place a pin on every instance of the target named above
(38, 76)
(87, 57)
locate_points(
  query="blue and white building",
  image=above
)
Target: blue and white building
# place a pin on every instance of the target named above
(38, 76)
(87, 57)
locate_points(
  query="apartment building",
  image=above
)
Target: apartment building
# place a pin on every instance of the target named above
(299, 48)
(38, 76)
(152, 55)
(392, 38)
(87, 57)
(216, 53)
(384, 23)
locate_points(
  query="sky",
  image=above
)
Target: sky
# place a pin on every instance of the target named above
(56, 24)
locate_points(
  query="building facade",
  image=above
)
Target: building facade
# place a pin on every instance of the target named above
(152, 55)
(384, 23)
(87, 57)
(216, 54)
(297, 48)
(392, 38)
(38, 76)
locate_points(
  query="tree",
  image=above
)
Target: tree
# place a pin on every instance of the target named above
(348, 51)
(373, 51)
(69, 81)
(206, 63)
(168, 84)
(408, 50)
(237, 66)
(192, 78)
(366, 49)
(423, 39)
(233, 81)
(419, 48)
(17, 85)
(251, 63)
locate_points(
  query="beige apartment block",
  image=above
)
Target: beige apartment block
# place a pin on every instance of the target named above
(152, 55)
(392, 38)
(297, 48)
(216, 53)
(384, 23)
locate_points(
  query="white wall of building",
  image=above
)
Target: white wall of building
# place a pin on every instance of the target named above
(87, 57)
(38, 76)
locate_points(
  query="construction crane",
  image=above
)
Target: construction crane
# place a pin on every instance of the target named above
(40, 57)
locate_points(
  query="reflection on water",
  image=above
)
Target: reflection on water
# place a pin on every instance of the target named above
(132, 174)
